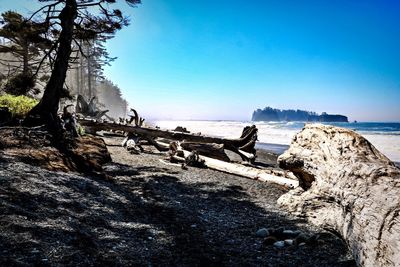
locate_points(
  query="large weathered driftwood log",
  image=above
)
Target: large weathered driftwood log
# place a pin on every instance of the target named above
(348, 186)
(243, 146)
(264, 175)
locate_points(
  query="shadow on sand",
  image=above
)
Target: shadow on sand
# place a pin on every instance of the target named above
(145, 216)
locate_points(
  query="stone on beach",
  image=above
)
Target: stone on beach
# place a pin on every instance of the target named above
(263, 232)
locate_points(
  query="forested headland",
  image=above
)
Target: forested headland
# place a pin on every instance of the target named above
(272, 114)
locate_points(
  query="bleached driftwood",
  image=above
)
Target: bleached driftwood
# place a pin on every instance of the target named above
(348, 186)
(243, 146)
(89, 109)
(212, 150)
(264, 175)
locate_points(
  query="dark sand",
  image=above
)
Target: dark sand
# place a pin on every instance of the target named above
(147, 213)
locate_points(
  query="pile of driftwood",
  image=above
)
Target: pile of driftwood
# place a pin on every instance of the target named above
(185, 148)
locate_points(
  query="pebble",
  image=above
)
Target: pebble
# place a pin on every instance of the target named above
(279, 244)
(313, 238)
(269, 240)
(288, 232)
(291, 234)
(230, 242)
(263, 232)
(302, 238)
(289, 242)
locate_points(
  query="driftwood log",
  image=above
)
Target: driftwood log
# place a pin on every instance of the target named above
(264, 175)
(89, 109)
(348, 186)
(243, 146)
(213, 150)
(284, 178)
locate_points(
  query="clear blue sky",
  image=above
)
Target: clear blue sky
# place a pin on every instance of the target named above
(222, 59)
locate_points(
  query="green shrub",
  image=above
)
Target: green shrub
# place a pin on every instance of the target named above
(19, 106)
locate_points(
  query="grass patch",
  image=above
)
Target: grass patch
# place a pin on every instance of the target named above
(19, 106)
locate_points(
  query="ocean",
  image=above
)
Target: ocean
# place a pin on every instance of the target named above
(276, 136)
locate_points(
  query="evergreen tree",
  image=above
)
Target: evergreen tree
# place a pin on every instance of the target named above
(75, 20)
(25, 41)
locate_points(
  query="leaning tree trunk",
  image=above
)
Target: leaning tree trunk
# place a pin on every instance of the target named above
(46, 111)
(349, 187)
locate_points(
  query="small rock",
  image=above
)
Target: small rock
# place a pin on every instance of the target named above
(279, 244)
(289, 242)
(302, 238)
(230, 242)
(263, 232)
(278, 233)
(291, 234)
(302, 244)
(269, 240)
(313, 239)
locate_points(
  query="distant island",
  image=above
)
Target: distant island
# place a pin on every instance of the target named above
(272, 114)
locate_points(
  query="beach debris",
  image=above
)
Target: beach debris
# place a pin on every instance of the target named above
(346, 183)
(139, 121)
(243, 146)
(181, 129)
(89, 109)
(194, 160)
(197, 150)
(132, 144)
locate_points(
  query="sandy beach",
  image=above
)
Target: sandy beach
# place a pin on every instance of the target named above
(143, 212)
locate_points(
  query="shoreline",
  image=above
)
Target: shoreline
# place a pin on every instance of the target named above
(279, 134)
(278, 149)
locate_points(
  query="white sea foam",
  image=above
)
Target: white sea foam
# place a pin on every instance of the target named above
(280, 133)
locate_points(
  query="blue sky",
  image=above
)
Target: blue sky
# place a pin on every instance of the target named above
(222, 59)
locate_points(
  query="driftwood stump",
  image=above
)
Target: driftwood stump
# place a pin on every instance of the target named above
(348, 186)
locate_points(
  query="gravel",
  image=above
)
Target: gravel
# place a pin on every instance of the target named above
(143, 212)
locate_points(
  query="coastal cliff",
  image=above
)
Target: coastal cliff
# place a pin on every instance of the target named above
(271, 114)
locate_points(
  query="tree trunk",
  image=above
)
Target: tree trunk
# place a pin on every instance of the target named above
(347, 186)
(46, 111)
(78, 91)
(82, 72)
(89, 69)
(25, 59)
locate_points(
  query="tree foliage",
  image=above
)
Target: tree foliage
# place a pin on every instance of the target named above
(19, 106)
(25, 41)
(74, 20)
